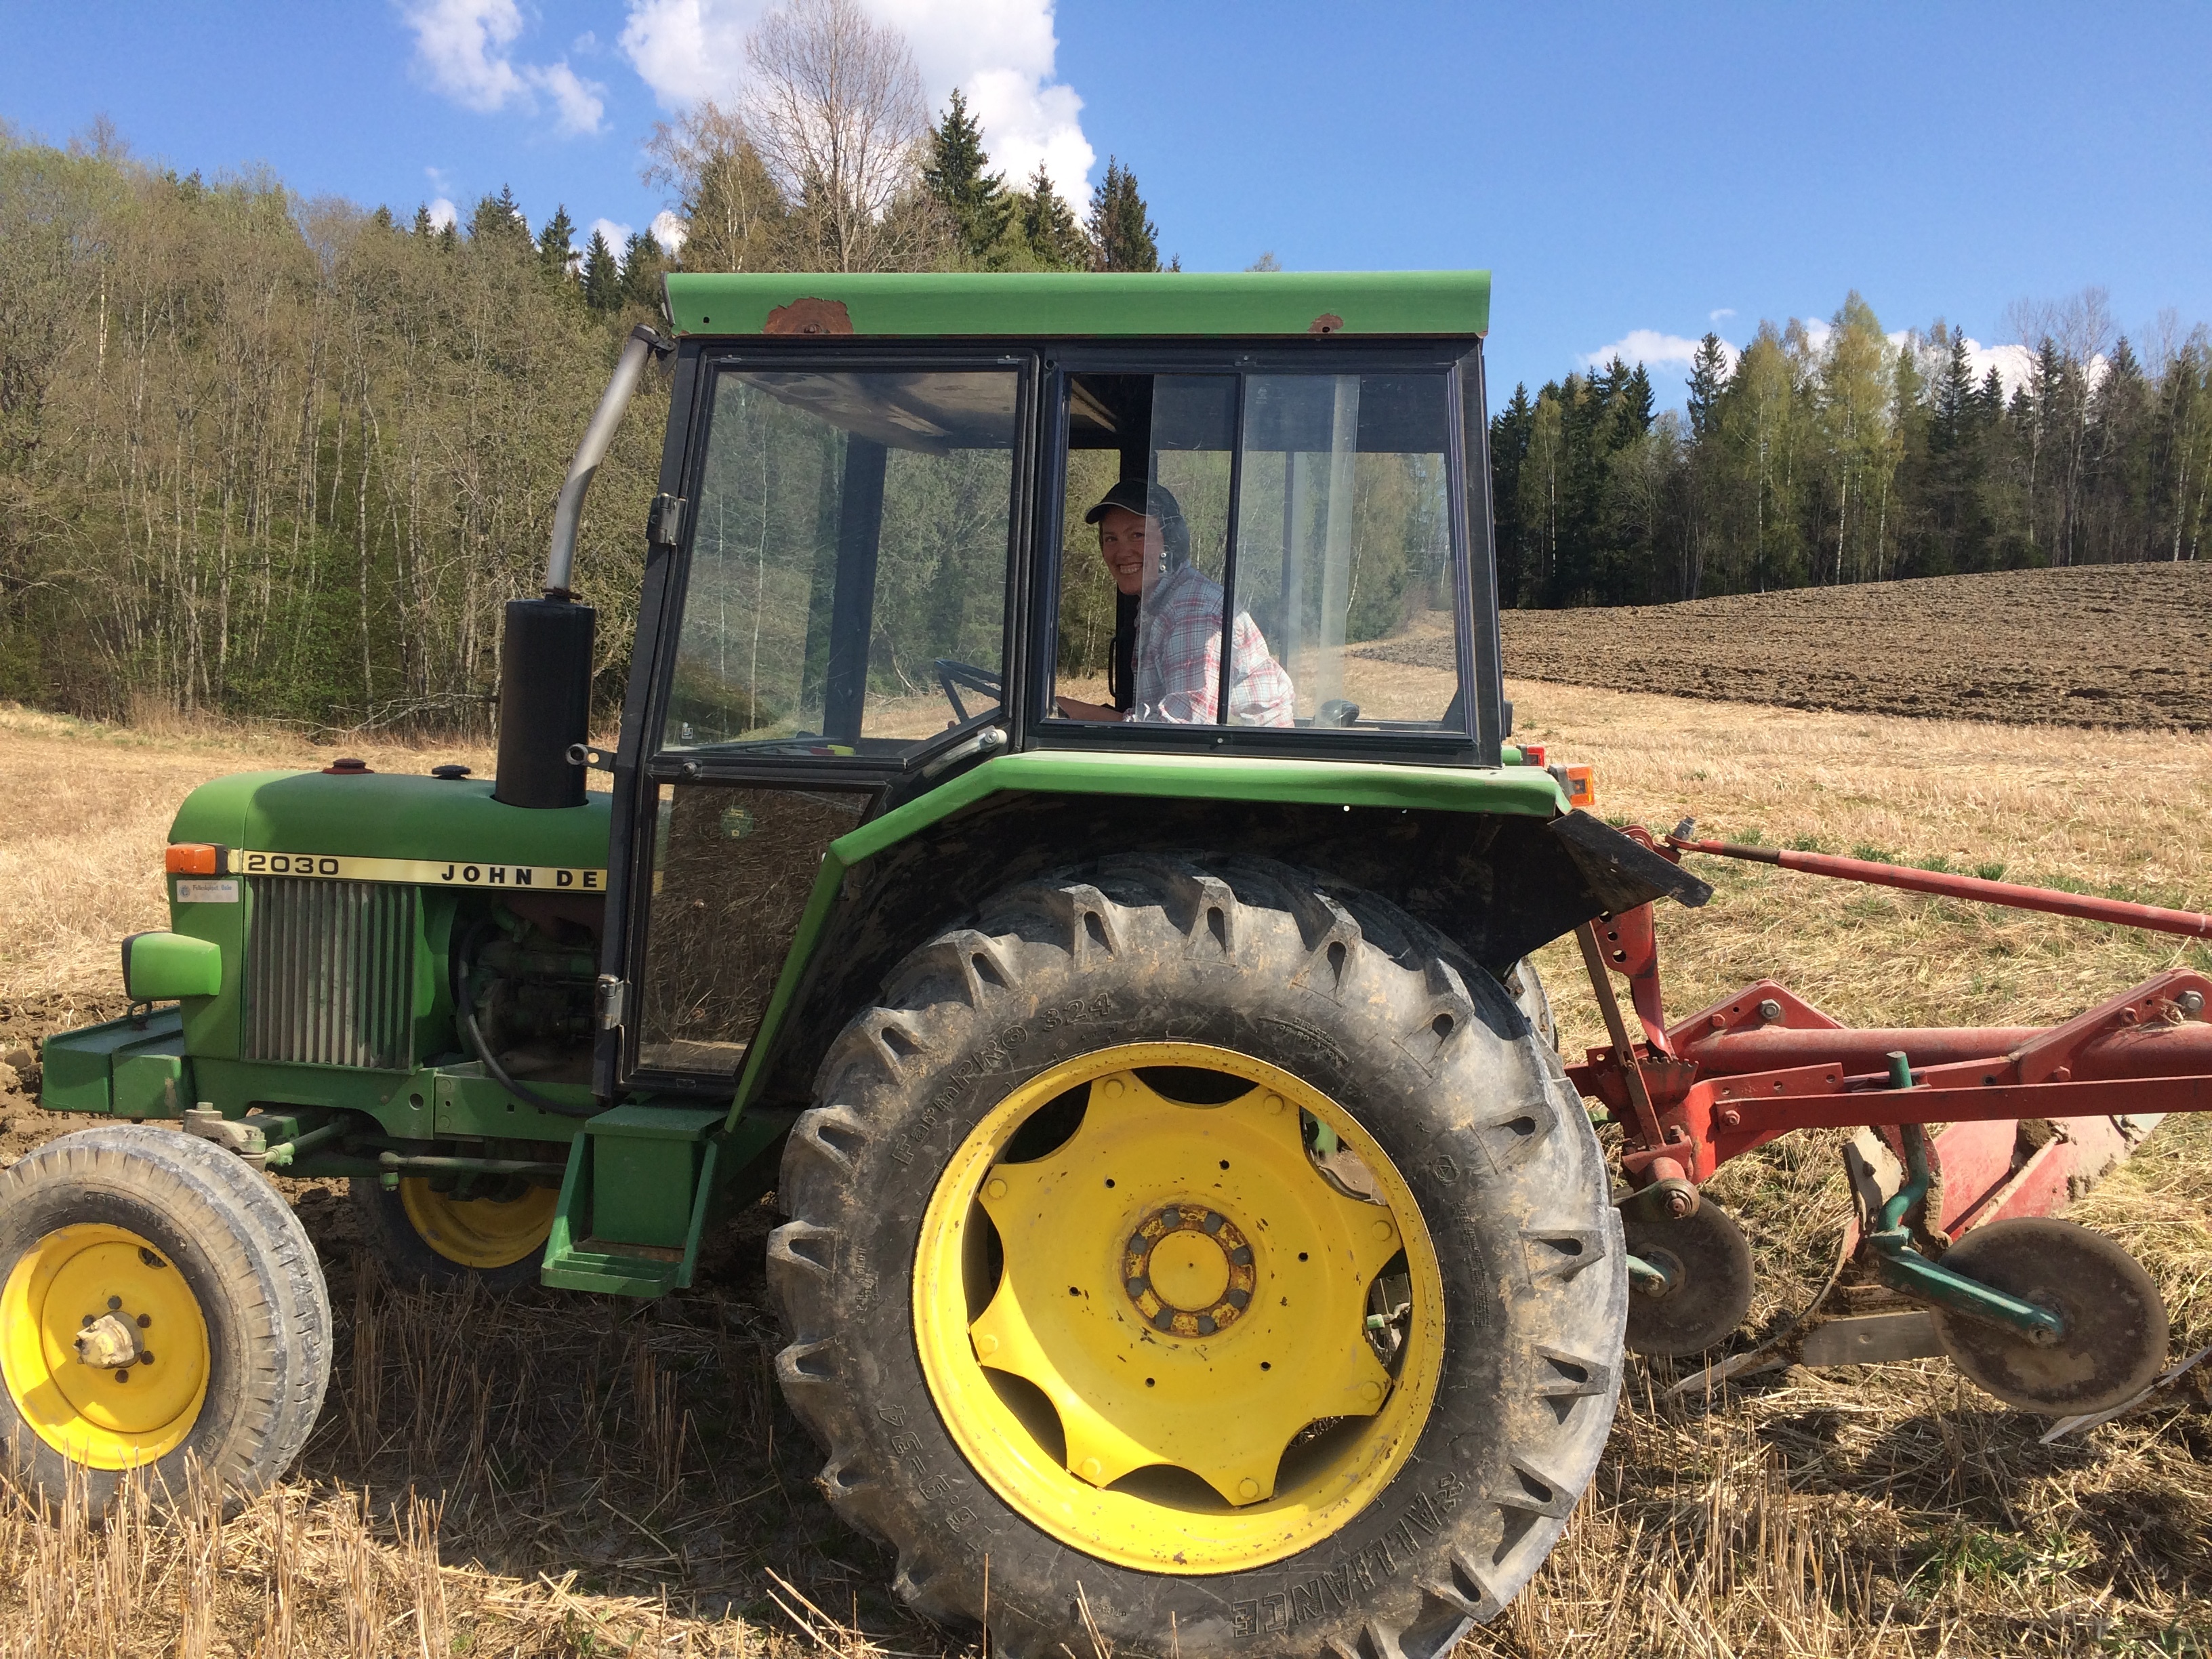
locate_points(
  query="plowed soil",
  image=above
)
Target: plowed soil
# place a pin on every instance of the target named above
(2108, 645)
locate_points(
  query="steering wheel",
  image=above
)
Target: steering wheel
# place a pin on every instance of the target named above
(952, 674)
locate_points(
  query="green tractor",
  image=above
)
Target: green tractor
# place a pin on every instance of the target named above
(1115, 964)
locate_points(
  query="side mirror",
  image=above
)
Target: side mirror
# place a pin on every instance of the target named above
(162, 967)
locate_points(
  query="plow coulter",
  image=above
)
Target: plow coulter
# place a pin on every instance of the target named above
(1971, 1142)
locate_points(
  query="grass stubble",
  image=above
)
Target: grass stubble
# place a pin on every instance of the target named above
(558, 1474)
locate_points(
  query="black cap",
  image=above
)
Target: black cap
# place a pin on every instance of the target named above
(1135, 496)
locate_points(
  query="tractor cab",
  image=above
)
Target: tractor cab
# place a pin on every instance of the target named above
(882, 570)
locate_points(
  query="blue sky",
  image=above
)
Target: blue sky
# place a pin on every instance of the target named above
(1632, 173)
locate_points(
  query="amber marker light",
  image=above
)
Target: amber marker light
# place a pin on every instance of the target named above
(188, 858)
(1581, 787)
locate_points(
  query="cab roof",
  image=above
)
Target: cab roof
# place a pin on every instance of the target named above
(1063, 304)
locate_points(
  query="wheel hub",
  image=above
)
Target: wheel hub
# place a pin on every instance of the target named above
(1174, 1300)
(1188, 1271)
(82, 1318)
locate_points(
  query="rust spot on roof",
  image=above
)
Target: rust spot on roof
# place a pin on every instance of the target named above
(1327, 323)
(809, 317)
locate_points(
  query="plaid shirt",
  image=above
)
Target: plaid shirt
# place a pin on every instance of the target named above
(1178, 659)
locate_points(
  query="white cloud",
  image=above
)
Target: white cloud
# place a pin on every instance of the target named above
(1722, 315)
(1653, 350)
(582, 103)
(999, 52)
(464, 49)
(616, 234)
(444, 213)
(669, 231)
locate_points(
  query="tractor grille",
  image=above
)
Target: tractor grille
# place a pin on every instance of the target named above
(329, 972)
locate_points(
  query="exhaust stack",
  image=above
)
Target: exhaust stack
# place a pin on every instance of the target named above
(546, 646)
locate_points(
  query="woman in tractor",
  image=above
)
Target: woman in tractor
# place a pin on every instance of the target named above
(1165, 663)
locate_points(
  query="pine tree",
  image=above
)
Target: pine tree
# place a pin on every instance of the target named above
(1122, 235)
(1510, 431)
(603, 277)
(422, 227)
(641, 265)
(382, 219)
(1048, 227)
(1954, 397)
(498, 220)
(1989, 401)
(555, 251)
(957, 175)
(1709, 377)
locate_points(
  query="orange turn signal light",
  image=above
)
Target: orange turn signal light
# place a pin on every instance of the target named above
(1581, 787)
(188, 858)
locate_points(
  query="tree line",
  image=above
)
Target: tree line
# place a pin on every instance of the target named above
(1842, 454)
(287, 459)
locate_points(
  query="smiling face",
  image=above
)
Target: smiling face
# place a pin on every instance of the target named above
(1131, 545)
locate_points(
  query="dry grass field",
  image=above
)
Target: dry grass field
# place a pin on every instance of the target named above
(569, 1475)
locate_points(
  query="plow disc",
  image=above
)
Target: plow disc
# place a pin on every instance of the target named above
(2114, 1340)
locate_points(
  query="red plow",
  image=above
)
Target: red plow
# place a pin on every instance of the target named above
(1958, 1233)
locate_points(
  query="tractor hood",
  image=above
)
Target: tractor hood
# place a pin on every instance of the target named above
(349, 820)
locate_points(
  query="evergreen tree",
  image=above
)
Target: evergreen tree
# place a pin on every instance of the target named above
(642, 263)
(1122, 234)
(382, 219)
(422, 227)
(1511, 430)
(603, 276)
(555, 251)
(498, 220)
(957, 175)
(1708, 380)
(1049, 232)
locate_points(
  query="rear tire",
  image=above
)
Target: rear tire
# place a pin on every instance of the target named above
(1394, 1036)
(425, 1237)
(178, 1250)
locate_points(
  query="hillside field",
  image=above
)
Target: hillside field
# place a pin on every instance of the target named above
(2102, 645)
(569, 1475)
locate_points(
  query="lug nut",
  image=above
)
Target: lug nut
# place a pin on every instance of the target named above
(1770, 1009)
(1731, 1120)
(1678, 1204)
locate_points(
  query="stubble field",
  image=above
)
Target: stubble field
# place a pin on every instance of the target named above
(559, 1474)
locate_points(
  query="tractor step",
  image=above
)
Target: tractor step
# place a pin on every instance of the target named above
(644, 1182)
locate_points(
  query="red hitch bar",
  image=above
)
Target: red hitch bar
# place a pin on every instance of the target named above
(2014, 896)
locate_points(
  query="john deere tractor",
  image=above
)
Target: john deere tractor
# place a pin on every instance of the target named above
(1114, 965)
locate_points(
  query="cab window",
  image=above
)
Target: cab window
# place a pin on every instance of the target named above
(1295, 569)
(847, 592)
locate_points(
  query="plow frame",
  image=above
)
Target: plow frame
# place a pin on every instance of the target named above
(2034, 1114)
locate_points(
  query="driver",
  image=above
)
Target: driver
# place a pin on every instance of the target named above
(1165, 662)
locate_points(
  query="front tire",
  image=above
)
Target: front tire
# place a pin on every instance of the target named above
(159, 1303)
(967, 1300)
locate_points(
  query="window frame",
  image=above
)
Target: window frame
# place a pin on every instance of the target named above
(1039, 727)
(642, 766)
(663, 765)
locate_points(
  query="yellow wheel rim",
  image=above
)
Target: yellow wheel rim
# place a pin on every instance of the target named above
(1173, 1370)
(479, 1232)
(103, 1346)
